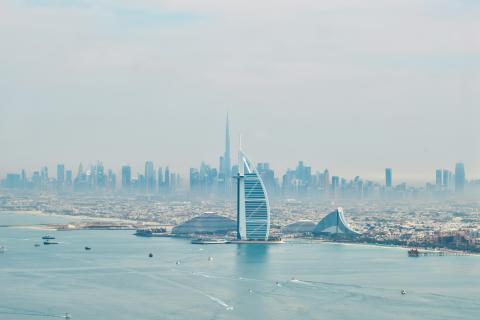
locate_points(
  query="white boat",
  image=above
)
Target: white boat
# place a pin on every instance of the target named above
(152, 232)
(209, 241)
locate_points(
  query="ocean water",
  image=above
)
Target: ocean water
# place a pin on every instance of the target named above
(117, 280)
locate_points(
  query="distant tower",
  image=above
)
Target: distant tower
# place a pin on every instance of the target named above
(438, 179)
(167, 179)
(388, 177)
(459, 178)
(326, 181)
(60, 176)
(68, 178)
(149, 177)
(227, 165)
(335, 185)
(446, 179)
(126, 177)
(160, 179)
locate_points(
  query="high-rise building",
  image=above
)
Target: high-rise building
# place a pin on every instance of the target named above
(112, 180)
(268, 177)
(44, 176)
(227, 165)
(24, 178)
(335, 185)
(68, 178)
(446, 179)
(167, 179)
(126, 177)
(388, 177)
(60, 175)
(459, 177)
(80, 183)
(253, 208)
(160, 180)
(99, 177)
(149, 177)
(326, 181)
(438, 179)
(13, 180)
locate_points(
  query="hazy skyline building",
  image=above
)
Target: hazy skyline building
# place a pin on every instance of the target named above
(149, 177)
(126, 177)
(459, 177)
(438, 179)
(388, 177)
(60, 175)
(447, 176)
(226, 162)
(68, 178)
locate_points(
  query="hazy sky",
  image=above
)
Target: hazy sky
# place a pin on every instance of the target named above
(355, 86)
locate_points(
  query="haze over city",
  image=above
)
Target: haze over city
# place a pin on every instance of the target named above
(353, 87)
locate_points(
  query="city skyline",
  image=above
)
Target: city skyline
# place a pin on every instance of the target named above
(334, 89)
(149, 174)
(219, 180)
(415, 175)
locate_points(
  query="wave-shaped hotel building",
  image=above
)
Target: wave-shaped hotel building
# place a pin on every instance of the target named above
(253, 208)
(334, 223)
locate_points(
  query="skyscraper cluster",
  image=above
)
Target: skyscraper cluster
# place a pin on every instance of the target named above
(151, 181)
(207, 180)
(96, 178)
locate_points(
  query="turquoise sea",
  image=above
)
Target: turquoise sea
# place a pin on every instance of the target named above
(117, 280)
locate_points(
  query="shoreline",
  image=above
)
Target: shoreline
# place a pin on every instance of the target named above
(39, 213)
(54, 226)
(384, 246)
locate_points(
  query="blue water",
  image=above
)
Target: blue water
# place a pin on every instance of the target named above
(117, 280)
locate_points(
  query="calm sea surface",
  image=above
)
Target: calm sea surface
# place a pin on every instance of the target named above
(117, 280)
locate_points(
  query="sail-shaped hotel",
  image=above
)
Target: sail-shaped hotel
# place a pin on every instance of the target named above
(253, 209)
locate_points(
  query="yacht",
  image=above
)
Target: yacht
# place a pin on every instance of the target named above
(151, 232)
(47, 242)
(209, 241)
(413, 253)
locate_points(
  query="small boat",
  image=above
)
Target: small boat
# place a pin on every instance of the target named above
(2, 249)
(88, 248)
(67, 316)
(48, 238)
(49, 242)
(210, 258)
(413, 253)
(178, 262)
(151, 232)
(208, 241)
(150, 255)
(403, 292)
(36, 245)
